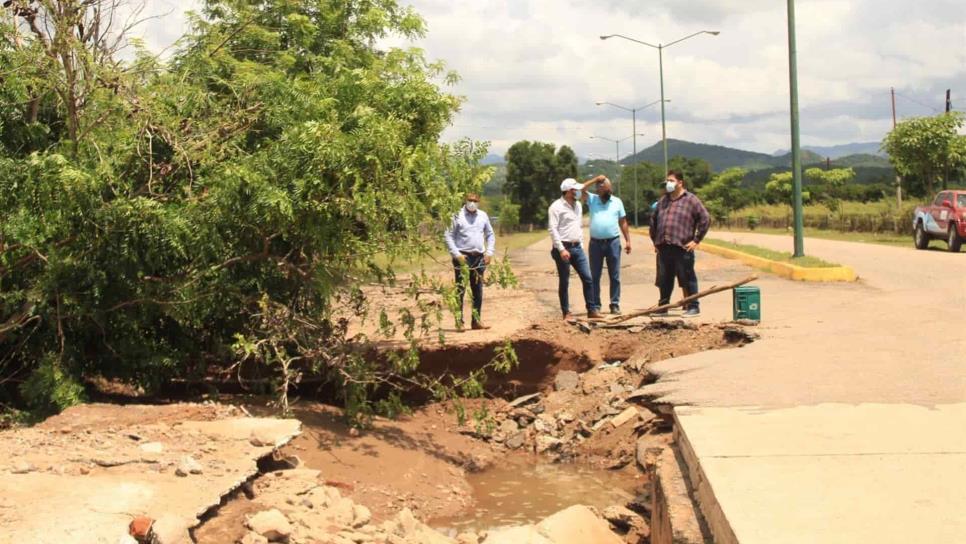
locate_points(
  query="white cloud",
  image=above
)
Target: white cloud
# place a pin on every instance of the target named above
(534, 68)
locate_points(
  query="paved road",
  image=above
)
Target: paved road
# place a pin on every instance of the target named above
(847, 421)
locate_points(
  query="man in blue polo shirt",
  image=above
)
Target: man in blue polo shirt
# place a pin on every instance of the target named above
(608, 221)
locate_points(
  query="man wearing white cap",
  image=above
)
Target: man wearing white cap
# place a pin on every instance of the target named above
(566, 232)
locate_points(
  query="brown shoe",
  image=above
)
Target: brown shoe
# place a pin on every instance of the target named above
(568, 317)
(479, 326)
(595, 315)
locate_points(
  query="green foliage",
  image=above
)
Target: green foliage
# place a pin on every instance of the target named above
(156, 218)
(927, 147)
(870, 217)
(534, 173)
(772, 255)
(697, 172)
(649, 179)
(724, 194)
(829, 185)
(780, 188)
(508, 214)
(50, 389)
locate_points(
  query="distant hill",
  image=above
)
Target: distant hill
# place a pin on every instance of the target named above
(720, 157)
(492, 158)
(838, 151)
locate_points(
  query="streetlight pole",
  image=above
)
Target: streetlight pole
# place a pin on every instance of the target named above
(634, 121)
(617, 151)
(796, 144)
(660, 59)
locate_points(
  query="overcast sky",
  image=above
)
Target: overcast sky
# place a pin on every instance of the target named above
(533, 69)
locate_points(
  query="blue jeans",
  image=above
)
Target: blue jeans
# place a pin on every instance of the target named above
(611, 251)
(676, 262)
(578, 260)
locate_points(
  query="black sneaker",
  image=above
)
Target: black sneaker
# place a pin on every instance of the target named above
(691, 312)
(615, 309)
(662, 313)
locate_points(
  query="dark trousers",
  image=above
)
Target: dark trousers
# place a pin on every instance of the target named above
(578, 260)
(606, 250)
(474, 276)
(676, 263)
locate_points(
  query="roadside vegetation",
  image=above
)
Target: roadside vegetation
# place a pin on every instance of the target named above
(163, 218)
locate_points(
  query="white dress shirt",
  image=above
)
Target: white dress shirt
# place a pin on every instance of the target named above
(565, 223)
(470, 233)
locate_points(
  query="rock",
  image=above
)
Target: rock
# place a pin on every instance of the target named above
(642, 503)
(545, 423)
(170, 529)
(577, 525)
(262, 437)
(22, 467)
(506, 428)
(152, 447)
(467, 538)
(127, 539)
(342, 512)
(585, 327)
(566, 380)
(622, 517)
(253, 538)
(649, 448)
(187, 466)
(565, 417)
(479, 462)
(271, 524)
(548, 443)
(525, 399)
(360, 516)
(623, 417)
(516, 440)
(140, 527)
(406, 522)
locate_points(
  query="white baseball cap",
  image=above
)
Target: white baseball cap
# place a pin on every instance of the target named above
(568, 184)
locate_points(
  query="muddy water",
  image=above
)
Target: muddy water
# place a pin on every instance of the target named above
(523, 490)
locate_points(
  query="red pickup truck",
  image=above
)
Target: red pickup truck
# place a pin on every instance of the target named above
(944, 219)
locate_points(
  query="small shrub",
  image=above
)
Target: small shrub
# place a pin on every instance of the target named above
(50, 389)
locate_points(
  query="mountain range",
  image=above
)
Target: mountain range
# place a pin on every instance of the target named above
(721, 157)
(838, 151)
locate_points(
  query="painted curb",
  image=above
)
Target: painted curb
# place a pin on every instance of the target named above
(785, 270)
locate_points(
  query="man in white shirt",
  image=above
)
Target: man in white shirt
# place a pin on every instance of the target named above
(566, 233)
(471, 242)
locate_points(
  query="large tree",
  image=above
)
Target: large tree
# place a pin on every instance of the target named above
(534, 173)
(929, 148)
(157, 217)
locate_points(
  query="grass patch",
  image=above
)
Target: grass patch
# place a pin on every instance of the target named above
(886, 239)
(780, 256)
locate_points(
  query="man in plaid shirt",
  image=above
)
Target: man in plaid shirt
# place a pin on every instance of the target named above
(678, 225)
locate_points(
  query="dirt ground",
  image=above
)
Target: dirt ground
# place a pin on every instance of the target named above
(583, 409)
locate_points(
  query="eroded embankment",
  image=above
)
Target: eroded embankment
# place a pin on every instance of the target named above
(579, 404)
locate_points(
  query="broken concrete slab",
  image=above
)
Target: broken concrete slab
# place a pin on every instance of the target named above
(623, 417)
(577, 525)
(94, 504)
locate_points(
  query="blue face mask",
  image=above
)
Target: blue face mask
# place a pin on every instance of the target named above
(577, 194)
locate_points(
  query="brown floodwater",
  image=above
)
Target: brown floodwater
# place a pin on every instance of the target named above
(525, 490)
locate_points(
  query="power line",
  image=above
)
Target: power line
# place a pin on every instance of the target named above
(937, 110)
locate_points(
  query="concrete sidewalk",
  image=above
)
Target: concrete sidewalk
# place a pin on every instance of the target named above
(847, 421)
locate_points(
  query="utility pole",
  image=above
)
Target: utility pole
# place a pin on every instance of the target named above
(949, 106)
(898, 177)
(796, 144)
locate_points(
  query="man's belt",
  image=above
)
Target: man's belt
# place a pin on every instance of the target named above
(611, 239)
(571, 244)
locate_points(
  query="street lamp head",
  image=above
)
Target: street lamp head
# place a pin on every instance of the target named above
(713, 32)
(598, 103)
(607, 37)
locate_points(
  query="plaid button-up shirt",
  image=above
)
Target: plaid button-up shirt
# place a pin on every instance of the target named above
(678, 222)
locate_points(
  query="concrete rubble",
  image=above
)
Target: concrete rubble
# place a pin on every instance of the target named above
(95, 468)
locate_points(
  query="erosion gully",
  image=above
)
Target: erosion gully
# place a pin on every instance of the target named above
(566, 427)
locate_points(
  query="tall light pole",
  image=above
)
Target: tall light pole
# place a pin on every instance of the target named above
(617, 151)
(660, 59)
(796, 144)
(634, 125)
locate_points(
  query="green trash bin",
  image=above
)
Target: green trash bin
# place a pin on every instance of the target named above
(747, 303)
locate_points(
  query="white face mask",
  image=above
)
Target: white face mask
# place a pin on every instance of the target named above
(670, 186)
(472, 207)
(577, 194)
